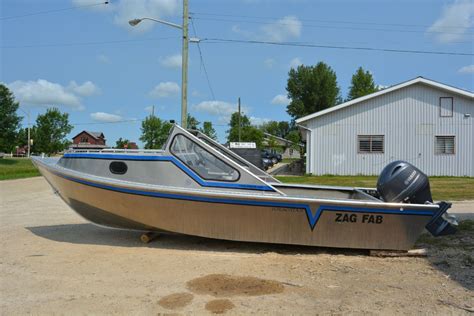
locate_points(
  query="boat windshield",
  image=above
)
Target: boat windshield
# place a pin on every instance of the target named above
(205, 164)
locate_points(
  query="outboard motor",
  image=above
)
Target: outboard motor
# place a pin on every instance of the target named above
(401, 182)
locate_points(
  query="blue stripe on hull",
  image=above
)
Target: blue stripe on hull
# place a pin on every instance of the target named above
(312, 219)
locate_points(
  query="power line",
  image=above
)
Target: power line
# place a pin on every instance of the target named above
(53, 11)
(87, 43)
(132, 121)
(114, 122)
(202, 63)
(325, 21)
(352, 28)
(311, 45)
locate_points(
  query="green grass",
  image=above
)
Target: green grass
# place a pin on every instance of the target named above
(289, 160)
(442, 188)
(16, 168)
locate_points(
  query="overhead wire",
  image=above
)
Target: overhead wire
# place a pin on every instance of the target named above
(87, 43)
(325, 21)
(313, 45)
(202, 62)
(54, 10)
(351, 28)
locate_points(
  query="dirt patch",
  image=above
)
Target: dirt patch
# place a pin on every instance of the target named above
(219, 306)
(222, 285)
(176, 300)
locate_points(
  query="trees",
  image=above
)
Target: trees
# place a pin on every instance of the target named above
(154, 132)
(9, 120)
(51, 130)
(362, 83)
(280, 129)
(249, 133)
(192, 122)
(121, 143)
(208, 130)
(311, 89)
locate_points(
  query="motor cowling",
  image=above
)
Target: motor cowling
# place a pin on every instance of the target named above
(401, 181)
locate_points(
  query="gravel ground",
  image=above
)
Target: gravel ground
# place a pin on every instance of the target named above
(54, 262)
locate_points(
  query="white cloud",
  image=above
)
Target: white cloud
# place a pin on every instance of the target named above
(281, 99)
(295, 62)
(165, 89)
(454, 22)
(84, 90)
(467, 69)
(223, 110)
(103, 59)
(269, 62)
(217, 108)
(283, 29)
(105, 117)
(258, 120)
(126, 10)
(172, 61)
(45, 93)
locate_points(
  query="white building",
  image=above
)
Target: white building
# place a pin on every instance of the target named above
(421, 121)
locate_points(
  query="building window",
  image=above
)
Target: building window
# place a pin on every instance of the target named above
(371, 144)
(446, 106)
(84, 139)
(444, 145)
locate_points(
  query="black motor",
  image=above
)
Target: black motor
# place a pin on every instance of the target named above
(400, 181)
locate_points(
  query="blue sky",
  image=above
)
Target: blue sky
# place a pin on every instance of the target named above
(89, 62)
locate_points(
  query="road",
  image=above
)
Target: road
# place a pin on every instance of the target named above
(54, 262)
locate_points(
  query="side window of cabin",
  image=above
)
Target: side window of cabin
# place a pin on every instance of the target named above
(446, 106)
(205, 164)
(118, 167)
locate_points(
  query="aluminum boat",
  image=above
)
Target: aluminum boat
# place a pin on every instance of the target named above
(196, 186)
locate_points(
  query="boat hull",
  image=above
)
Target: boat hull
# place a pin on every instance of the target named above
(241, 218)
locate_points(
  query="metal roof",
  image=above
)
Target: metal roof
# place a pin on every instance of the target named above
(96, 135)
(388, 90)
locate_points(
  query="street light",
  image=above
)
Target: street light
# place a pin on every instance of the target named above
(184, 70)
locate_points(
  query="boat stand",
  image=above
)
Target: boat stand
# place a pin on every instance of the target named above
(391, 253)
(148, 237)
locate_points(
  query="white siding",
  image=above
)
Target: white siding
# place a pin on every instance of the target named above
(409, 118)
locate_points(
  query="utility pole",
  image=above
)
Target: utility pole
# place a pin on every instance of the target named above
(184, 67)
(29, 139)
(184, 61)
(240, 125)
(152, 111)
(29, 127)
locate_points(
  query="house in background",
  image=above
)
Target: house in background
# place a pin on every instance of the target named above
(88, 140)
(424, 122)
(286, 148)
(131, 145)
